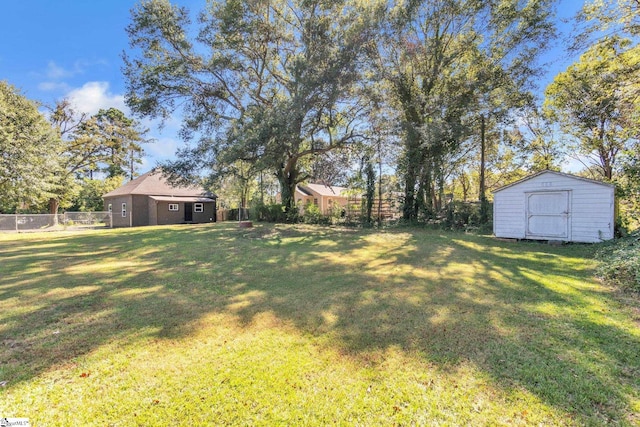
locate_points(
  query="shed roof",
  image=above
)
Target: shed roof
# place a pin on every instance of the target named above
(566, 175)
(154, 184)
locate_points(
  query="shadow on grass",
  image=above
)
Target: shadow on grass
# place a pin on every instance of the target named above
(528, 315)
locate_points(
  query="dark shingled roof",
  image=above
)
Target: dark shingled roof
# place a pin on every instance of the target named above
(154, 184)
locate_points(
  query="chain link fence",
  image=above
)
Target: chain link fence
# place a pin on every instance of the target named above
(65, 221)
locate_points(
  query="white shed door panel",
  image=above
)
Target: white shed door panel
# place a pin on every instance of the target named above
(548, 214)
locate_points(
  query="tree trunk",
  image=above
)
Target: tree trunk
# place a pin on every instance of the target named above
(484, 205)
(54, 205)
(409, 208)
(465, 188)
(481, 190)
(370, 191)
(412, 158)
(380, 188)
(261, 190)
(425, 191)
(288, 178)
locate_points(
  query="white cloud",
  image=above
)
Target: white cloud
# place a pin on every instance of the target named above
(53, 86)
(161, 149)
(93, 96)
(56, 72)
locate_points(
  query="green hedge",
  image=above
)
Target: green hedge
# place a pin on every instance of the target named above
(620, 262)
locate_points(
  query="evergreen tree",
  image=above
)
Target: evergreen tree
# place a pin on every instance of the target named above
(105, 142)
(29, 152)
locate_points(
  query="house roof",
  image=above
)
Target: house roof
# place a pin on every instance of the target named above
(323, 190)
(182, 199)
(303, 191)
(567, 175)
(154, 184)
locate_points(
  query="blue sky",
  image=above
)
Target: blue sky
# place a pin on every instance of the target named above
(52, 49)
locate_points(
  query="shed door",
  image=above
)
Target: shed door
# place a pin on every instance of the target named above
(548, 214)
(188, 212)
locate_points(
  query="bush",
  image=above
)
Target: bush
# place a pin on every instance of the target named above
(312, 214)
(232, 214)
(466, 216)
(270, 213)
(336, 214)
(620, 262)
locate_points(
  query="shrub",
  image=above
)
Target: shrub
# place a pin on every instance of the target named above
(620, 262)
(312, 214)
(336, 214)
(466, 216)
(270, 213)
(233, 214)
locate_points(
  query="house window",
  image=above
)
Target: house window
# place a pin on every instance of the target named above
(110, 208)
(174, 207)
(124, 210)
(198, 207)
(315, 202)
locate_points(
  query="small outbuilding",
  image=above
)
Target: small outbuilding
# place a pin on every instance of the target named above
(555, 206)
(151, 200)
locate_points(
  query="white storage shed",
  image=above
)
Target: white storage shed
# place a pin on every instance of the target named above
(555, 206)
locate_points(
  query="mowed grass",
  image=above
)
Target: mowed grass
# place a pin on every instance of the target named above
(300, 325)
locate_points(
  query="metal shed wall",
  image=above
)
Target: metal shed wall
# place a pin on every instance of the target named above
(519, 209)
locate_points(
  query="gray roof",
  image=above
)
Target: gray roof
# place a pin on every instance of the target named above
(154, 184)
(567, 175)
(178, 199)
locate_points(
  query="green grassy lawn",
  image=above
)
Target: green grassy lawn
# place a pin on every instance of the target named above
(300, 325)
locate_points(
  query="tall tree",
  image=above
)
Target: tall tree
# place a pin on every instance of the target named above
(89, 197)
(595, 101)
(629, 187)
(107, 141)
(601, 19)
(370, 190)
(453, 63)
(537, 139)
(270, 82)
(420, 59)
(122, 138)
(29, 152)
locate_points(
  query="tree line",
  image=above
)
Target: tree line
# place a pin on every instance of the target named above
(448, 86)
(437, 98)
(59, 158)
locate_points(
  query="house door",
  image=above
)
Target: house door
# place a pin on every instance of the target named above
(548, 214)
(188, 212)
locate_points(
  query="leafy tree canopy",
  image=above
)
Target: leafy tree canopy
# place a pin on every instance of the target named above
(106, 142)
(451, 65)
(29, 152)
(270, 82)
(595, 101)
(601, 19)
